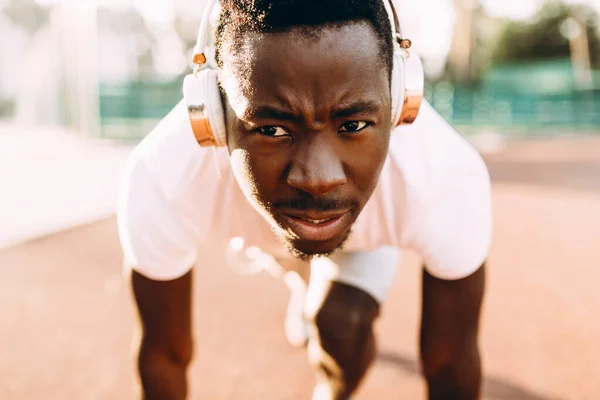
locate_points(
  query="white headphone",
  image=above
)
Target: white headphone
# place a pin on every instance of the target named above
(202, 95)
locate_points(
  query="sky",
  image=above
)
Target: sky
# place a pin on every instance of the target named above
(431, 33)
(418, 21)
(165, 9)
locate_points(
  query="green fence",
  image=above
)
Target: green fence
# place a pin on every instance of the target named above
(129, 111)
(516, 112)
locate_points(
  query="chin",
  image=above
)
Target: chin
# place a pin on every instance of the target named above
(306, 250)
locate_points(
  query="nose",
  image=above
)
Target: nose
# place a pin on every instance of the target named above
(316, 169)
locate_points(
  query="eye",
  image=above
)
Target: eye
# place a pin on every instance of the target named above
(353, 126)
(272, 131)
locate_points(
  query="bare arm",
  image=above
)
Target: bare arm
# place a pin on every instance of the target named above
(449, 336)
(165, 348)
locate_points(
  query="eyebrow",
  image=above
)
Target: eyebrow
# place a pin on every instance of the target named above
(358, 107)
(268, 112)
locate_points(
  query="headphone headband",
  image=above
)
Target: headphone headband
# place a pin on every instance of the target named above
(203, 34)
(200, 58)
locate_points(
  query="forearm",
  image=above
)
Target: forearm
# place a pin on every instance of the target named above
(345, 347)
(165, 346)
(161, 377)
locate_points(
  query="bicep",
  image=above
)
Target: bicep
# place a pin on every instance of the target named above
(449, 344)
(451, 308)
(165, 314)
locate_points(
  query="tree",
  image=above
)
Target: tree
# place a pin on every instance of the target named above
(460, 60)
(547, 36)
(27, 14)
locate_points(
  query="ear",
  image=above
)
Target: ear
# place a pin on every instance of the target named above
(228, 113)
(222, 95)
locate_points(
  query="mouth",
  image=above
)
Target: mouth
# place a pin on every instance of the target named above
(317, 226)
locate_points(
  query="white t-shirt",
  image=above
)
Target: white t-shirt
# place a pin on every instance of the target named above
(433, 196)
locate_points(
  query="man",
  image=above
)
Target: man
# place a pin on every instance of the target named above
(311, 171)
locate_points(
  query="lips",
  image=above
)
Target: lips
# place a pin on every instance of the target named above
(317, 226)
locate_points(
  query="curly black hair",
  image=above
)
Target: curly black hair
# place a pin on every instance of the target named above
(263, 16)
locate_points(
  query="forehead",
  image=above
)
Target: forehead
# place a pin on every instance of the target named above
(296, 68)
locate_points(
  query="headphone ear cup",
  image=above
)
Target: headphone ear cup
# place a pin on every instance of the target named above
(397, 88)
(408, 83)
(203, 99)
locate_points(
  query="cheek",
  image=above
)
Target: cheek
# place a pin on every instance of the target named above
(241, 166)
(258, 176)
(366, 162)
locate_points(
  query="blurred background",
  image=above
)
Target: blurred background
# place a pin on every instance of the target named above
(81, 82)
(113, 68)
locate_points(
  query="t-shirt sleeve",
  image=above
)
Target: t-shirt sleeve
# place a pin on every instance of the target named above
(451, 219)
(457, 228)
(159, 241)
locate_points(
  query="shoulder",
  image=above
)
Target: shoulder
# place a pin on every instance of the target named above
(447, 195)
(431, 155)
(169, 154)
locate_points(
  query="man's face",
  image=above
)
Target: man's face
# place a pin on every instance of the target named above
(308, 125)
